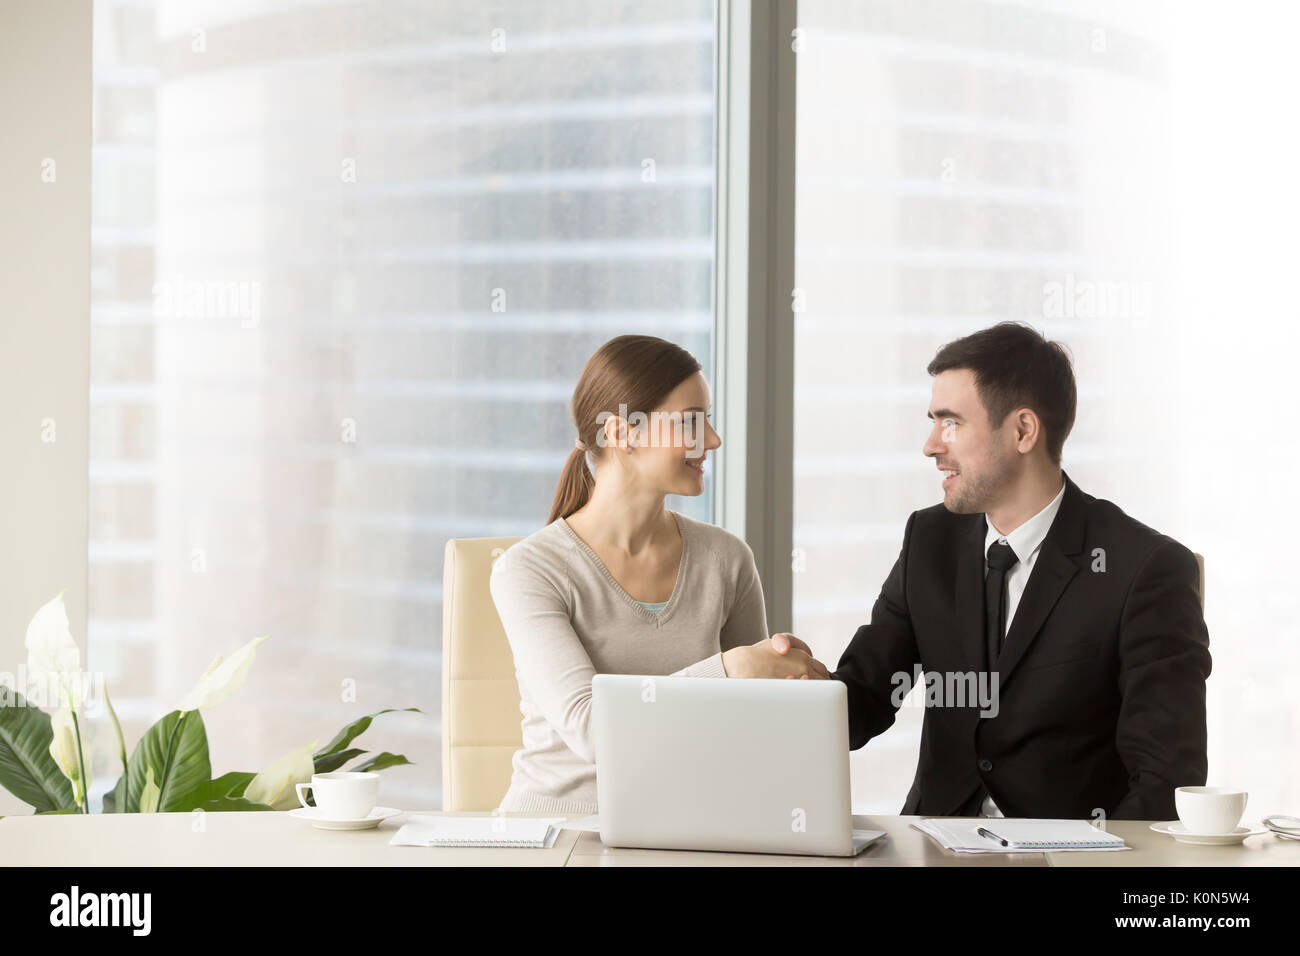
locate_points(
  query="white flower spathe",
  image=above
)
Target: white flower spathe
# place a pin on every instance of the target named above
(222, 678)
(275, 786)
(63, 748)
(53, 656)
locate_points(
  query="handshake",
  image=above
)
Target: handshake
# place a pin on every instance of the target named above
(784, 655)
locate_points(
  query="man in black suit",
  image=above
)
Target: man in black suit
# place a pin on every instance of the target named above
(1085, 624)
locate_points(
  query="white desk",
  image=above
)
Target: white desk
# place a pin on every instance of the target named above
(237, 839)
(274, 839)
(904, 845)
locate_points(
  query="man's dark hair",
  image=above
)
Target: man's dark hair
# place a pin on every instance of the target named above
(1015, 367)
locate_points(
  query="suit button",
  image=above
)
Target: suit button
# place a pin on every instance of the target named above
(986, 765)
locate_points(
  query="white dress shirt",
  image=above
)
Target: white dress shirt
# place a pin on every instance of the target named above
(1026, 541)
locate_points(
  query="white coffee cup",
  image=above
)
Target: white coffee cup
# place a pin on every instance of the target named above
(1210, 810)
(342, 794)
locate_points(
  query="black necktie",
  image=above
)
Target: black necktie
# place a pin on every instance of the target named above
(1001, 560)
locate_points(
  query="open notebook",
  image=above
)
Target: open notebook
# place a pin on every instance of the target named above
(479, 831)
(1022, 835)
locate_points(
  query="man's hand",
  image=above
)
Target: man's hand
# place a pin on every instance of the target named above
(788, 658)
(784, 643)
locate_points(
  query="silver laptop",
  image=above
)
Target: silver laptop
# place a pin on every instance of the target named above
(696, 763)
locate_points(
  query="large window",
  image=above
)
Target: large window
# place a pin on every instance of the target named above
(349, 259)
(962, 163)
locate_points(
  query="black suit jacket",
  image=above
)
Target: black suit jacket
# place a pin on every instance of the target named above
(1101, 693)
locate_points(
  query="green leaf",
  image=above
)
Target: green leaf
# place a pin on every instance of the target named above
(226, 804)
(45, 813)
(176, 750)
(26, 768)
(380, 761)
(227, 785)
(231, 784)
(330, 762)
(355, 729)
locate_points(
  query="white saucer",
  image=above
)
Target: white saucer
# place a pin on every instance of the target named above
(313, 814)
(1179, 832)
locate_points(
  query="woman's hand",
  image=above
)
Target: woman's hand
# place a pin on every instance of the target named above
(788, 657)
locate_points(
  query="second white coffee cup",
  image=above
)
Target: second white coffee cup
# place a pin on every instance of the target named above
(1210, 809)
(342, 794)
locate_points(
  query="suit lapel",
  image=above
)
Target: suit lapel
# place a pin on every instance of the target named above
(969, 599)
(1053, 570)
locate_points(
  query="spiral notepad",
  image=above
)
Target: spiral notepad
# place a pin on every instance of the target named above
(479, 831)
(1033, 835)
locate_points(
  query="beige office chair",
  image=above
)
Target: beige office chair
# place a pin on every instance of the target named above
(1200, 564)
(480, 697)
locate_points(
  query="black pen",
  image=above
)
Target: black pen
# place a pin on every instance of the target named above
(989, 833)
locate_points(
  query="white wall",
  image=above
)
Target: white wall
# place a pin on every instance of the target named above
(45, 114)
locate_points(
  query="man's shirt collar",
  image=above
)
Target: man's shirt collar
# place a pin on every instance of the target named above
(1027, 538)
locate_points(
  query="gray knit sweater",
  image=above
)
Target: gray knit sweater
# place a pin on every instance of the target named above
(567, 619)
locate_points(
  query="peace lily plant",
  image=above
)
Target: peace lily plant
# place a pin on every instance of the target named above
(43, 756)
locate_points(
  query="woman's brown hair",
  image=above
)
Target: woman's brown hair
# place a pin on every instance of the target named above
(636, 371)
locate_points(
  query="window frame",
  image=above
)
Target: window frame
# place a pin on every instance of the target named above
(754, 156)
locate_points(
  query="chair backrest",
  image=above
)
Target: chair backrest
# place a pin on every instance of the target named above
(1200, 563)
(480, 697)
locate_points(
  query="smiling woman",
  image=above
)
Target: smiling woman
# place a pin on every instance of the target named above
(616, 583)
(648, 375)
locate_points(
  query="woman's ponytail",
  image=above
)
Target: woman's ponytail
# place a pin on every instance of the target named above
(575, 487)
